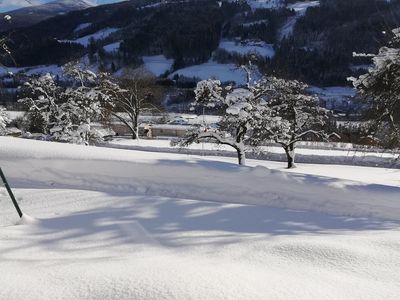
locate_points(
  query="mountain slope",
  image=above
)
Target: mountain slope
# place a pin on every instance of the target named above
(311, 41)
(34, 14)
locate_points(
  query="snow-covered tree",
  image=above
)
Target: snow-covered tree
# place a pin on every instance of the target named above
(380, 87)
(292, 115)
(46, 106)
(241, 108)
(85, 99)
(4, 120)
(65, 113)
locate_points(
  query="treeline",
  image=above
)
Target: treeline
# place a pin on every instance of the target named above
(188, 33)
(261, 24)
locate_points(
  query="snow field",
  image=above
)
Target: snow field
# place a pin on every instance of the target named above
(157, 64)
(85, 40)
(211, 69)
(120, 224)
(276, 153)
(182, 176)
(247, 47)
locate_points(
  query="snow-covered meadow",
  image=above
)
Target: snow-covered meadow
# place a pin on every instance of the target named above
(85, 41)
(212, 69)
(108, 223)
(248, 47)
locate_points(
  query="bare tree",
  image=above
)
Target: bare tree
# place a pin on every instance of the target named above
(130, 98)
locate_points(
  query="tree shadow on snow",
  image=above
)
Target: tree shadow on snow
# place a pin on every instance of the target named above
(131, 222)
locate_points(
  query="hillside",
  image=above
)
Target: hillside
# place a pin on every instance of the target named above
(27, 16)
(308, 40)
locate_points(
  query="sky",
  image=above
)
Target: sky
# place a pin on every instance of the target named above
(7, 5)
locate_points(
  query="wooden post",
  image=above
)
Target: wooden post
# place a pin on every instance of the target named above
(10, 193)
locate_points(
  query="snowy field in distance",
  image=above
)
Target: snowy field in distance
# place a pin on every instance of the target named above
(85, 40)
(111, 48)
(109, 223)
(248, 47)
(211, 69)
(82, 26)
(334, 96)
(257, 4)
(157, 64)
(33, 70)
(301, 7)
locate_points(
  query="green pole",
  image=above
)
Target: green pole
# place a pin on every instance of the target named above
(10, 193)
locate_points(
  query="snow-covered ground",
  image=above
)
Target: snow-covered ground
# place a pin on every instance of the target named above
(111, 48)
(157, 64)
(82, 26)
(335, 96)
(106, 224)
(109, 224)
(257, 4)
(304, 153)
(211, 69)
(248, 47)
(362, 67)
(301, 7)
(33, 70)
(85, 40)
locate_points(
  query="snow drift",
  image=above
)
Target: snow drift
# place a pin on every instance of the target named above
(172, 175)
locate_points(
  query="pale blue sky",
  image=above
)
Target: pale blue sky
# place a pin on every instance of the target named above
(7, 5)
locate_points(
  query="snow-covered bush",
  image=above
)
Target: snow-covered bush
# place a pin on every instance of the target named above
(380, 87)
(65, 113)
(4, 120)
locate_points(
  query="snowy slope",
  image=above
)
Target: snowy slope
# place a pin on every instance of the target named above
(300, 9)
(211, 69)
(163, 174)
(85, 40)
(248, 47)
(112, 48)
(33, 70)
(256, 4)
(95, 236)
(157, 64)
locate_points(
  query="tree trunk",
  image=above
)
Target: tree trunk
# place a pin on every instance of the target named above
(241, 157)
(290, 154)
(135, 130)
